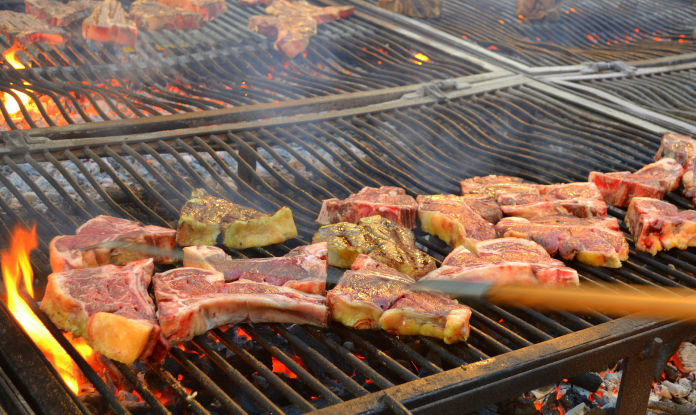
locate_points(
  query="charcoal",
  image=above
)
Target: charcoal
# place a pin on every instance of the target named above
(573, 398)
(421, 9)
(589, 380)
(671, 372)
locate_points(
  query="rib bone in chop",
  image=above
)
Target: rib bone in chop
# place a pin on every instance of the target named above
(657, 225)
(388, 201)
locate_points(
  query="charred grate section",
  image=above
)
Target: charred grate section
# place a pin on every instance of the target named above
(222, 65)
(423, 148)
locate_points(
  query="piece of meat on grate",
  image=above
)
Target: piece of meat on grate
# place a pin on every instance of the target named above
(152, 15)
(303, 268)
(657, 225)
(68, 251)
(581, 199)
(302, 8)
(387, 201)
(376, 237)
(653, 180)
(109, 306)
(505, 261)
(291, 33)
(60, 14)
(682, 148)
(488, 186)
(537, 9)
(208, 9)
(450, 218)
(595, 241)
(191, 301)
(484, 206)
(109, 22)
(420, 9)
(24, 29)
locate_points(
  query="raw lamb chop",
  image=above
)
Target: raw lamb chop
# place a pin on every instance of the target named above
(60, 14)
(208, 9)
(68, 251)
(450, 218)
(378, 238)
(653, 180)
(24, 29)
(505, 261)
(388, 201)
(657, 225)
(109, 23)
(204, 217)
(151, 15)
(577, 199)
(303, 268)
(291, 33)
(109, 306)
(595, 241)
(683, 149)
(191, 301)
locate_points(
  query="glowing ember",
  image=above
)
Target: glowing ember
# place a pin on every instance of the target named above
(10, 56)
(279, 367)
(243, 334)
(421, 57)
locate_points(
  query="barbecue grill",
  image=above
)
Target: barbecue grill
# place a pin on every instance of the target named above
(131, 133)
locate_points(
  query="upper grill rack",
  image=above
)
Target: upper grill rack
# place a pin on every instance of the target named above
(425, 149)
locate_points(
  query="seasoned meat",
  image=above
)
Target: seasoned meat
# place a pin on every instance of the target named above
(657, 225)
(682, 148)
(594, 241)
(577, 199)
(490, 185)
(450, 218)
(420, 9)
(303, 268)
(151, 15)
(208, 9)
(378, 238)
(68, 251)
(191, 301)
(110, 23)
(653, 180)
(388, 201)
(484, 206)
(109, 306)
(302, 8)
(24, 29)
(538, 9)
(291, 33)
(505, 261)
(56, 13)
(203, 218)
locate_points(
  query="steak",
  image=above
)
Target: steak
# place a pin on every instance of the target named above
(24, 29)
(303, 268)
(420, 9)
(191, 301)
(388, 201)
(595, 241)
(151, 15)
(538, 9)
(60, 14)
(488, 186)
(450, 218)
(578, 199)
(208, 9)
(109, 23)
(109, 306)
(657, 225)
(378, 238)
(203, 218)
(653, 180)
(505, 261)
(682, 148)
(484, 206)
(68, 251)
(291, 33)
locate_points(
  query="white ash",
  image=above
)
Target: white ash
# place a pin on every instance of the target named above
(581, 409)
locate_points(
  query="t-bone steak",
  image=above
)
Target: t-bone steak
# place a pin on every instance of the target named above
(387, 201)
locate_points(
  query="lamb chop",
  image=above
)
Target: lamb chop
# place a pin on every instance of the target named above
(24, 29)
(378, 238)
(208, 9)
(505, 261)
(191, 301)
(70, 251)
(203, 218)
(60, 14)
(388, 201)
(151, 15)
(682, 148)
(109, 23)
(303, 268)
(109, 306)
(657, 225)
(653, 180)
(595, 241)
(450, 218)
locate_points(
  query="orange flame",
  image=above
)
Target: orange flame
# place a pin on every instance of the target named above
(16, 266)
(421, 57)
(10, 56)
(279, 367)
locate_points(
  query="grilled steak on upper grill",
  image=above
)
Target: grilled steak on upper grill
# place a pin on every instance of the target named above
(594, 241)
(488, 185)
(653, 180)
(302, 8)
(577, 199)
(208, 9)
(303, 268)
(378, 238)
(450, 218)
(25, 29)
(110, 23)
(484, 206)
(60, 14)
(505, 261)
(152, 15)
(204, 217)
(191, 301)
(67, 251)
(657, 225)
(683, 149)
(388, 201)
(291, 33)
(109, 306)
